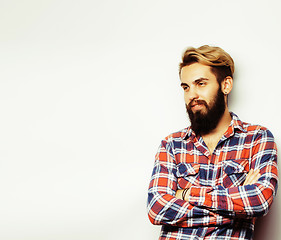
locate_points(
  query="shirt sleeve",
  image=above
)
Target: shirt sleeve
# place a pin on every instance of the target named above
(164, 208)
(250, 200)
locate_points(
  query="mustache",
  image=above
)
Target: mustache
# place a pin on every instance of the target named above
(194, 102)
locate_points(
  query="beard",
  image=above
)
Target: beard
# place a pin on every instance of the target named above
(203, 123)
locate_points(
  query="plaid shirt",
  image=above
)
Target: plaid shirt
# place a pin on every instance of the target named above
(219, 206)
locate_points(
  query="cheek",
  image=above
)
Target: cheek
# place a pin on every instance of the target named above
(210, 96)
(186, 98)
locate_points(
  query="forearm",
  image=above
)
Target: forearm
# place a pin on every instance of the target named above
(166, 209)
(244, 201)
(228, 201)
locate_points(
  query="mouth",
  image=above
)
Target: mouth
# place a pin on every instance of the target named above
(197, 106)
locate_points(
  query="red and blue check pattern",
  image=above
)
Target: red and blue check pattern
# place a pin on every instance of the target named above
(220, 206)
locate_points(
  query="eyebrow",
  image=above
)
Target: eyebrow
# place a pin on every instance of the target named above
(184, 85)
(196, 81)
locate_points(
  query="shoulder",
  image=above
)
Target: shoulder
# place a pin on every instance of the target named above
(177, 136)
(173, 141)
(250, 129)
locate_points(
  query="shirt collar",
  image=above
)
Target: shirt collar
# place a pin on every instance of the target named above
(188, 133)
(235, 124)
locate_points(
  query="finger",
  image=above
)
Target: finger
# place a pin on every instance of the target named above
(257, 177)
(178, 194)
(255, 173)
(252, 177)
(248, 177)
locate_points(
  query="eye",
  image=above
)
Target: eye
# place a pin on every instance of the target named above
(201, 83)
(184, 87)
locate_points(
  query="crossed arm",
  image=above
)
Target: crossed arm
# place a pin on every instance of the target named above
(166, 206)
(252, 177)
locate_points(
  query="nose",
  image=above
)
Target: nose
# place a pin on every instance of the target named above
(192, 94)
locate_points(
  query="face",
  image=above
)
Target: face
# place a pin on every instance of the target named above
(204, 99)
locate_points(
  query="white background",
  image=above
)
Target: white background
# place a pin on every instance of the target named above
(89, 88)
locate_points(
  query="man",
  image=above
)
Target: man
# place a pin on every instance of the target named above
(214, 178)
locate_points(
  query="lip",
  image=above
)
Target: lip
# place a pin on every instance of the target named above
(197, 106)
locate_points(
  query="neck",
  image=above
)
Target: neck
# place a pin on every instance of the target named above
(212, 138)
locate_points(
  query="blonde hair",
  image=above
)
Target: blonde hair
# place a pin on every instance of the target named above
(221, 63)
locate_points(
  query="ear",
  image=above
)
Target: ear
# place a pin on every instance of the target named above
(226, 85)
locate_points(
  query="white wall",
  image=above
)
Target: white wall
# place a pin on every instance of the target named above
(89, 88)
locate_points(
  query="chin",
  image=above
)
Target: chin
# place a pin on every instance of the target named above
(201, 111)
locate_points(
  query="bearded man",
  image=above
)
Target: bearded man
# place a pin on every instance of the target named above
(214, 178)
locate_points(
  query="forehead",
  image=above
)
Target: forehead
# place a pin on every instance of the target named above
(196, 71)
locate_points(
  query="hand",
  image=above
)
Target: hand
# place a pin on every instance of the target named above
(252, 177)
(179, 194)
